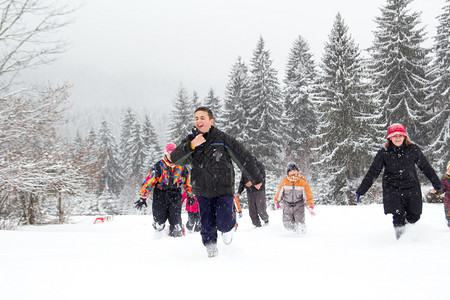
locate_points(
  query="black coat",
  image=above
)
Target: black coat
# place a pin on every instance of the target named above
(244, 180)
(212, 173)
(401, 187)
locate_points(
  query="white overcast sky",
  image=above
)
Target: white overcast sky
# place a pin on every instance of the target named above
(137, 52)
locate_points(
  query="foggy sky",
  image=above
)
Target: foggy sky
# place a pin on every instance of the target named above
(138, 52)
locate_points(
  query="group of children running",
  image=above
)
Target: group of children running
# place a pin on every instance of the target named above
(210, 199)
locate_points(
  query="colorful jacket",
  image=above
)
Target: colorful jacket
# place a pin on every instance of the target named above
(446, 186)
(165, 175)
(293, 189)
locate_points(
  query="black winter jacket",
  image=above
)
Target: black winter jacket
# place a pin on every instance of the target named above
(212, 173)
(244, 180)
(401, 185)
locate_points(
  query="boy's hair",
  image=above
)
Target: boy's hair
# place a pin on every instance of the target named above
(206, 109)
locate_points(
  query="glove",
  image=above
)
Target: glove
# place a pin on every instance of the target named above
(358, 197)
(277, 205)
(191, 201)
(311, 210)
(138, 204)
(240, 214)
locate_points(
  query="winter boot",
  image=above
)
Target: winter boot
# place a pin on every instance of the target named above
(189, 226)
(159, 230)
(212, 250)
(399, 231)
(227, 237)
(197, 227)
(176, 231)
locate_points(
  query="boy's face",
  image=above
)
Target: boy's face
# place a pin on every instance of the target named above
(202, 121)
(293, 172)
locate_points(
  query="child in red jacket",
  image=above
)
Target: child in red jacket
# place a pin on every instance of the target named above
(193, 222)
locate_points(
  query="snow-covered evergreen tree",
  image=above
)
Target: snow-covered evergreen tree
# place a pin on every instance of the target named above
(152, 149)
(299, 113)
(236, 106)
(214, 104)
(92, 164)
(399, 66)
(137, 153)
(126, 143)
(111, 171)
(265, 99)
(180, 117)
(343, 132)
(195, 102)
(439, 97)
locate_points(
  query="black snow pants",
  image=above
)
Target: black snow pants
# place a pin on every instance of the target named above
(167, 206)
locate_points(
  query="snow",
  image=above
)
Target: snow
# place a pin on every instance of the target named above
(349, 252)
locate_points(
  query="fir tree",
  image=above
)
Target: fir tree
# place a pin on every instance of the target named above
(399, 65)
(299, 112)
(126, 142)
(213, 102)
(111, 171)
(181, 118)
(439, 97)
(236, 106)
(195, 102)
(152, 149)
(343, 133)
(137, 153)
(265, 100)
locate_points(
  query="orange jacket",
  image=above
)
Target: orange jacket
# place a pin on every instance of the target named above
(294, 188)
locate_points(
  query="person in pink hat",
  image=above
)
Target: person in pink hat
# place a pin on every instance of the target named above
(402, 195)
(167, 181)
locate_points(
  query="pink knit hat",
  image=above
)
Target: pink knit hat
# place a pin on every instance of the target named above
(170, 147)
(396, 129)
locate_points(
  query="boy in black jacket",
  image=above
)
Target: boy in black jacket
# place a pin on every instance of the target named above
(210, 152)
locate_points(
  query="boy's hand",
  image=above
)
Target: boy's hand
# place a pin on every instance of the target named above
(258, 186)
(198, 140)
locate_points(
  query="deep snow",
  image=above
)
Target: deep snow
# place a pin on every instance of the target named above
(349, 252)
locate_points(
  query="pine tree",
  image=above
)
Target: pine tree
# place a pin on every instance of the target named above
(126, 143)
(111, 172)
(152, 149)
(236, 106)
(92, 163)
(439, 97)
(195, 102)
(265, 100)
(214, 104)
(299, 112)
(399, 65)
(181, 118)
(137, 153)
(342, 105)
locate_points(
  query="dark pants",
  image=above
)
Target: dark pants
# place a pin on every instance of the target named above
(193, 221)
(215, 214)
(167, 206)
(257, 207)
(400, 218)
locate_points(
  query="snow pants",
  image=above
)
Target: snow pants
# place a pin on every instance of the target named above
(447, 207)
(215, 214)
(167, 206)
(193, 222)
(293, 214)
(257, 207)
(402, 214)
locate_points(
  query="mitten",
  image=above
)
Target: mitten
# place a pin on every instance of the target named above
(277, 205)
(191, 201)
(311, 210)
(138, 204)
(358, 197)
(240, 214)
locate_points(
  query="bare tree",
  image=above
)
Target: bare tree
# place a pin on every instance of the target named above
(29, 35)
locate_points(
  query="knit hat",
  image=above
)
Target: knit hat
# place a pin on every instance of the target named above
(396, 129)
(170, 147)
(291, 166)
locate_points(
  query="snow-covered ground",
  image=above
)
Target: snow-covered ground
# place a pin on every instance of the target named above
(349, 252)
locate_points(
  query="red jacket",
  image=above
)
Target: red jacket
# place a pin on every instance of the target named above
(190, 208)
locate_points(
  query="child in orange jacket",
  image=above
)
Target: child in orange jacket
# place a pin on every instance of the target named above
(294, 193)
